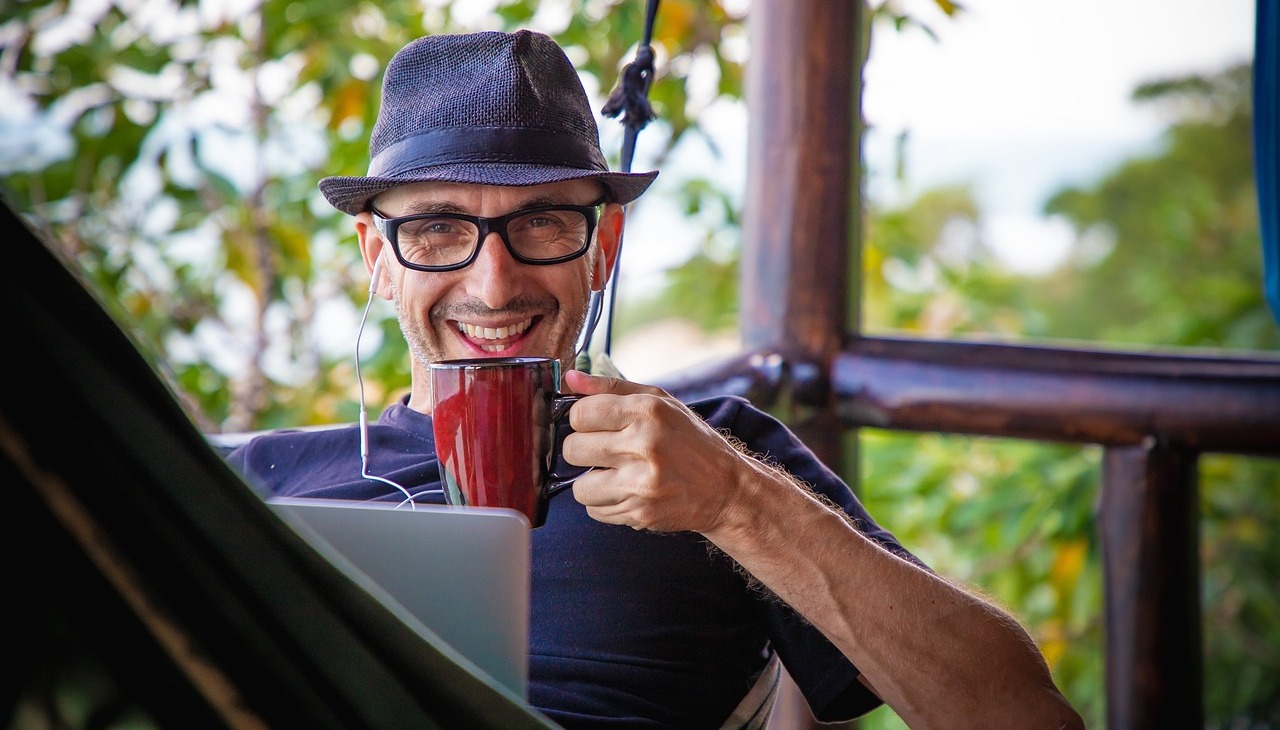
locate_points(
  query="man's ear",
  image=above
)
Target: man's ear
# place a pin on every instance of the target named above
(609, 237)
(371, 243)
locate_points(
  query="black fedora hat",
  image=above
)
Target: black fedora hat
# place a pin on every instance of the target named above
(486, 108)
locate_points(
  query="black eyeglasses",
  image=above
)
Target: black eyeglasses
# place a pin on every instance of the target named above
(545, 235)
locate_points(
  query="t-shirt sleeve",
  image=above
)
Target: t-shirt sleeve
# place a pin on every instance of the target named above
(827, 678)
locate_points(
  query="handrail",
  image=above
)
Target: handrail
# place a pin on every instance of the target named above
(1111, 398)
(1181, 398)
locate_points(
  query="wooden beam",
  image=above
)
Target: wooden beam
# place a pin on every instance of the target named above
(802, 174)
(1203, 403)
(1111, 398)
(1148, 518)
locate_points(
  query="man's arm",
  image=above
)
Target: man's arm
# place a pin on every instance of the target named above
(939, 656)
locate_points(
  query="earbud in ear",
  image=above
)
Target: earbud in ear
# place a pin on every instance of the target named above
(373, 275)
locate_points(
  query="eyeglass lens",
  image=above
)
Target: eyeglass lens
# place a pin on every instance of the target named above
(442, 240)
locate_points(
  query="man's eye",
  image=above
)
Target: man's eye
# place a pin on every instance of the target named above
(434, 227)
(549, 220)
(538, 221)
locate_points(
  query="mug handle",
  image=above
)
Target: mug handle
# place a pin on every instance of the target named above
(560, 406)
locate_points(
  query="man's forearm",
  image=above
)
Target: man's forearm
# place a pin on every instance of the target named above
(938, 655)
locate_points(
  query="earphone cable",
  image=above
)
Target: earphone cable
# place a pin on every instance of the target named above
(364, 414)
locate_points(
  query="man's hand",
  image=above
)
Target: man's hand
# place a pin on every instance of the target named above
(658, 465)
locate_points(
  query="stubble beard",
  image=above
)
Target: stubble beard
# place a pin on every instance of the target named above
(424, 348)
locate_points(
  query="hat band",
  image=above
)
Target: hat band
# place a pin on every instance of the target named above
(462, 145)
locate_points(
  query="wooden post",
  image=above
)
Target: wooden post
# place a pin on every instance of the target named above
(802, 173)
(803, 168)
(1149, 521)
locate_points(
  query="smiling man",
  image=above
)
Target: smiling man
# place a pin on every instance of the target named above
(521, 292)
(674, 570)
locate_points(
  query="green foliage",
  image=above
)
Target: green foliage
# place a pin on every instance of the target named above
(1183, 267)
(1169, 256)
(188, 147)
(1182, 219)
(1011, 520)
(1239, 545)
(704, 289)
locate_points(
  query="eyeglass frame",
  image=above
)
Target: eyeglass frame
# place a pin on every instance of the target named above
(484, 226)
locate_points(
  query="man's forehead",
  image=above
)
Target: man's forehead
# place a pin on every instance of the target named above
(434, 195)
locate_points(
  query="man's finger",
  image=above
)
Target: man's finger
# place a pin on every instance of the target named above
(592, 489)
(591, 448)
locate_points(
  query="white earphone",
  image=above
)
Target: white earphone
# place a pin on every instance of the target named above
(373, 275)
(364, 415)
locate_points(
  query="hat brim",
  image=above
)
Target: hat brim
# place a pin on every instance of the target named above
(351, 195)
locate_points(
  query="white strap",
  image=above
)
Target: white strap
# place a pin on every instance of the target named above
(753, 711)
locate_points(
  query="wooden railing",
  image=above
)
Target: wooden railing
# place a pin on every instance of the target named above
(1153, 413)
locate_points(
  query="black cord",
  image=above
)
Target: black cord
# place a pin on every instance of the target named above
(631, 100)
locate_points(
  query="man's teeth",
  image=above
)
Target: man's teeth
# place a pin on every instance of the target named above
(494, 333)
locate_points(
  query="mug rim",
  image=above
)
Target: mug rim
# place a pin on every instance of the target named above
(482, 362)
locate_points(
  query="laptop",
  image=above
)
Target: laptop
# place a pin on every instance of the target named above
(462, 572)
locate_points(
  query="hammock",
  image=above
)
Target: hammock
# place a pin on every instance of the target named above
(126, 529)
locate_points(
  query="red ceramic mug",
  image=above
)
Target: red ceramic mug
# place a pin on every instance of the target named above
(498, 424)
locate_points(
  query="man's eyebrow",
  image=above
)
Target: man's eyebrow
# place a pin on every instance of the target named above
(543, 200)
(419, 207)
(432, 206)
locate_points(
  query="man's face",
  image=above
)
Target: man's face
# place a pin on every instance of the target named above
(497, 306)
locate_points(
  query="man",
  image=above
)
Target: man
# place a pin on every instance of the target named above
(707, 535)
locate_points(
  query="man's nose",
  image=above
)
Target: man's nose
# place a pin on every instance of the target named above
(494, 277)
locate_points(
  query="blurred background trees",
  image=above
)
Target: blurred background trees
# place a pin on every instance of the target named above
(172, 148)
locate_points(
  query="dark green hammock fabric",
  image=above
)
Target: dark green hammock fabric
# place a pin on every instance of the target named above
(123, 527)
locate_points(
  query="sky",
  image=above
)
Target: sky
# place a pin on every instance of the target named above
(1025, 97)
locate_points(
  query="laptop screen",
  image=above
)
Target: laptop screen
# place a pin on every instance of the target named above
(463, 573)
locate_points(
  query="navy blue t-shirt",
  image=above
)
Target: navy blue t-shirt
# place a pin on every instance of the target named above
(628, 628)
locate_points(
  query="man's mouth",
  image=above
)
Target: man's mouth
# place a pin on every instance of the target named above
(494, 339)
